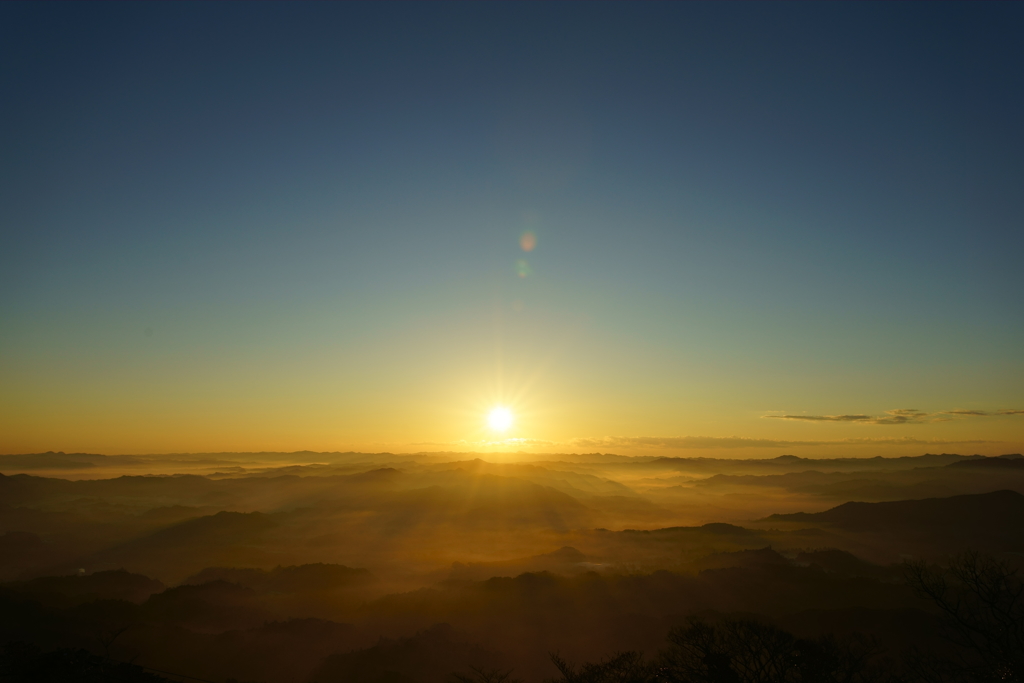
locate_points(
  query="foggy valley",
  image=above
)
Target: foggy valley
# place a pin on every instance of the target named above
(377, 567)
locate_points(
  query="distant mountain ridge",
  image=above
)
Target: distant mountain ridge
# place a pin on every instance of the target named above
(291, 579)
(252, 463)
(1010, 461)
(788, 462)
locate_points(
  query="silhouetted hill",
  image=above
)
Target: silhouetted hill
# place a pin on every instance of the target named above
(21, 663)
(383, 474)
(741, 558)
(714, 529)
(430, 656)
(563, 560)
(21, 488)
(209, 530)
(792, 463)
(51, 460)
(107, 585)
(931, 528)
(181, 630)
(722, 529)
(182, 549)
(841, 563)
(1012, 461)
(999, 509)
(286, 651)
(212, 606)
(307, 578)
(136, 485)
(594, 613)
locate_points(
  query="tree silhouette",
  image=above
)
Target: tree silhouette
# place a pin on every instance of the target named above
(624, 667)
(744, 651)
(24, 663)
(486, 676)
(982, 600)
(734, 651)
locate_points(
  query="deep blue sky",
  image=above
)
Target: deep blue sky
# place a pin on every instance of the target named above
(296, 225)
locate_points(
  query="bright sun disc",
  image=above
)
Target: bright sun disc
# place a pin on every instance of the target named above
(500, 419)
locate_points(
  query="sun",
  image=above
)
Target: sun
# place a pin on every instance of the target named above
(499, 419)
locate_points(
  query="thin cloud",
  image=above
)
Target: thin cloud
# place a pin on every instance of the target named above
(892, 417)
(824, 418)
(899, 416)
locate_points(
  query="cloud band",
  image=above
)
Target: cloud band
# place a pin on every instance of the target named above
(899, 416)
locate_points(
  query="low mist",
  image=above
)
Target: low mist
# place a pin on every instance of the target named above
(357, 567)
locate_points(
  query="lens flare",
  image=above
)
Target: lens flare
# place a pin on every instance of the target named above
(499, 419)
(528, 241)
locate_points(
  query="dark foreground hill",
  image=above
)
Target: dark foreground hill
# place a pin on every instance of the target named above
(220, 630)
(283, 623)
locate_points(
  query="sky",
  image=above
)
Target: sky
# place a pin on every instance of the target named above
(726, 229)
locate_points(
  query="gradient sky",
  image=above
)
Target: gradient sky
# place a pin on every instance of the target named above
(759, 228)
